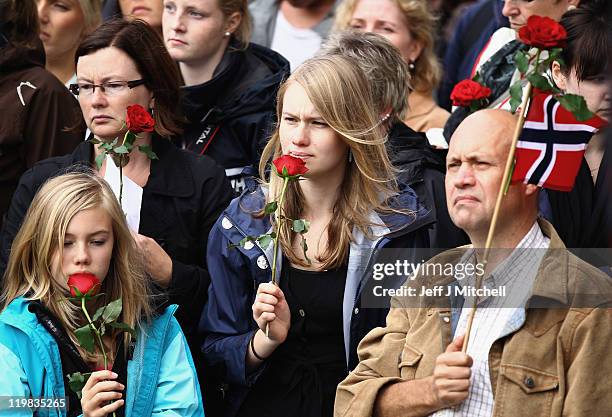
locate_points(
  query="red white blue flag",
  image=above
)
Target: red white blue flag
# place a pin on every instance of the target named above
(551, 146)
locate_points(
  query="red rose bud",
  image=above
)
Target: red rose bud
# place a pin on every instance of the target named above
(468, 91)
(293, 165)
(138, 119)
(543, 33)
(84, 282)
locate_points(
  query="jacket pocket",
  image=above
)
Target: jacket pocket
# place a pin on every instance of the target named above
(409, 362)
(531, 390)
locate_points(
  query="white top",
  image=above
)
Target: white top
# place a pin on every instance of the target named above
(131, 199)
(295, 44)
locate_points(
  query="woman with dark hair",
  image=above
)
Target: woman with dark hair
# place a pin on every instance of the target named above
(584, 69)
(230, 85)
(39, 119)
(170, 202)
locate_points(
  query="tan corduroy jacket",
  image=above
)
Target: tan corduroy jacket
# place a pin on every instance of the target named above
(558, 364)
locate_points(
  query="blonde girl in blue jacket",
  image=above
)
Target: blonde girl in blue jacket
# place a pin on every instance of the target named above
(75, 225)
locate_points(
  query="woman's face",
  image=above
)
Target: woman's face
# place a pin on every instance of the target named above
(105, 113)
(88, 246)
(385, 18)
(595, 90)
(148, 10)
(305, 135)
(194, 30)
(62, 25)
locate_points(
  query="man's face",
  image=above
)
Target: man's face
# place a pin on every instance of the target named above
(518, 11)
(475, 166)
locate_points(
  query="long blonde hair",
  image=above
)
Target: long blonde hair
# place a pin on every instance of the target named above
(41, 239)
(341, 94)
(92, 14)
(421, 23)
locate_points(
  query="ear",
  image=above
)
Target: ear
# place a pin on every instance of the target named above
(152, 103)
(415, 51)
(573, 3)
(531, 189)
(233, 21)
(558, 76)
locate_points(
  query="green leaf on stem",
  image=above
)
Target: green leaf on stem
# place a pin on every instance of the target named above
(522, 61)
(95, 141)
(477, 78)
(85, 337)
(124, 327)
(577, 105)
(516, 96)
(121, 150)
(102, 329)
(77, 381)
(264, 241)
(270, 207)
(98, 313)
(112, 311)
(300, 226)
(305, 249)
(539, 81)
(148, 151)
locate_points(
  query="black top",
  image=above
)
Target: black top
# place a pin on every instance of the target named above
(302, 374)
(73, 362)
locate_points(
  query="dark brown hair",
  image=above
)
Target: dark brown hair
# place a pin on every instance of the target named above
(589, 43)
(141, 43)
(19, 22)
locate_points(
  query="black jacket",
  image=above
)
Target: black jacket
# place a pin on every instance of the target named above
(423, 168)
(231, 116)
(182, 199)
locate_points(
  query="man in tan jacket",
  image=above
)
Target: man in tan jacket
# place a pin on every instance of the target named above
(549, 357)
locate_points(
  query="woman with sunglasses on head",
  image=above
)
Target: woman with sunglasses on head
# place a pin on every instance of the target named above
(316, 316)
(170, 202)
(75, 235)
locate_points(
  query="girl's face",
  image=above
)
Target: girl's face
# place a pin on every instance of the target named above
(595, 90)
(304, 134)
(62, 25)
(385, 18)
(88, 246)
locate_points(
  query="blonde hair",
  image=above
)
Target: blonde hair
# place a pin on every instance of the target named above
(92, 14)
(41, 239)
(243, 31)
(421, 24)
(341, 94)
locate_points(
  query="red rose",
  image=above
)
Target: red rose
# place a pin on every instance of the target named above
(84, 282)
(467, 91)
(292, 165)
(543, 33)
(138, 119)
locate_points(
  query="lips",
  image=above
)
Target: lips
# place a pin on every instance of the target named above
(44, 35)
(465, 199)
(301, 155)
(175, 41)
(140, 10)
(101, 118)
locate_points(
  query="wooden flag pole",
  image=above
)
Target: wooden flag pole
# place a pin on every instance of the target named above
(500, 195)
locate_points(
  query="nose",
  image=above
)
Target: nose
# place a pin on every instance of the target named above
(464, 177)
(510, 8)
(300, 135)
(81, 256)
(43, 15)
(176, 23)
(98, 98)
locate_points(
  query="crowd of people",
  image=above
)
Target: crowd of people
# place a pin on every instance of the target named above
(136, 148)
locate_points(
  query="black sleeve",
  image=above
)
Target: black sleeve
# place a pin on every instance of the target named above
(189, 283)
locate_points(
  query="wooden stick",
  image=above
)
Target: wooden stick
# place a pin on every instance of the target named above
(500, 195)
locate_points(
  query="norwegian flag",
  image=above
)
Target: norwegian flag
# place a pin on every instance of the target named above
(551, 146)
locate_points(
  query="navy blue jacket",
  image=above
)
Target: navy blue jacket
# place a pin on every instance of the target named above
(227, 321)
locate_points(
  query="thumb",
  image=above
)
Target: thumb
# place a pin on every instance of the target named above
(456, 345)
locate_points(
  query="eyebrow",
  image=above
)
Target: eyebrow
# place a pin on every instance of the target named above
(103, 80)
(311, 116)
(98, 232)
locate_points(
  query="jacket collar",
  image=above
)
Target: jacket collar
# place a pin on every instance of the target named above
(170, 174)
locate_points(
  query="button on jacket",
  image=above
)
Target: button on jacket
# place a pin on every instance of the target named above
(556, 364)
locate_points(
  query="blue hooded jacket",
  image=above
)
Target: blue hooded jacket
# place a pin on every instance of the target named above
(236, 272)
(161, 375)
